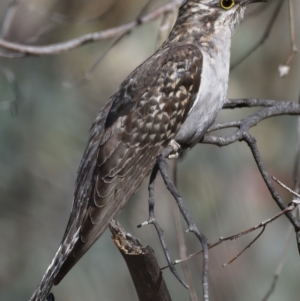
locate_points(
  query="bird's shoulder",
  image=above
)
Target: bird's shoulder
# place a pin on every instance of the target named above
(163, 76)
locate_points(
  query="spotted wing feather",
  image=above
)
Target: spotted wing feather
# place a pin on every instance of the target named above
(136, 124)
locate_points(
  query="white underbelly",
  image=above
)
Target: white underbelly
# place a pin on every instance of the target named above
(209, 100)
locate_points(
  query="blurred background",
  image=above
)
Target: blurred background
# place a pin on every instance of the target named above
(44, 134)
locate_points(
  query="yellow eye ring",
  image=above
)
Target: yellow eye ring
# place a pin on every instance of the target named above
(227, 4)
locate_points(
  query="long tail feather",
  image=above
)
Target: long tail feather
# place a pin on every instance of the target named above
(44, 287)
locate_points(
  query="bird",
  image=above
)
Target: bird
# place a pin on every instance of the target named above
(172, 97)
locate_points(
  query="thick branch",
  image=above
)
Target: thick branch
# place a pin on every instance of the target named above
(242, 134)
(250, 102)
(281, 108)
(142, 264)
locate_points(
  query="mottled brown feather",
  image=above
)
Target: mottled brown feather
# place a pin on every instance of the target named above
(134, 126)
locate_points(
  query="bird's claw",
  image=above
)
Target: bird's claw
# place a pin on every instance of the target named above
(175, 149)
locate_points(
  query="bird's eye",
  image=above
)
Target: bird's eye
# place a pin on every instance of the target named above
(227, 4)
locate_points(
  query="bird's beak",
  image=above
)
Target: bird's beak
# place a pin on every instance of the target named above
(255, 1)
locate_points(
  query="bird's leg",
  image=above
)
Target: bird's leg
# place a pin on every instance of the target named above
(151, 200)
(162, 166)
(159, 230)
(175, 149)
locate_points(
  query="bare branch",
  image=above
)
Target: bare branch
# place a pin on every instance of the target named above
(88, 75)
(281, 108)
(248, 246)
(143, 10)
(14, 103)
(280, 264)
(226, 125)
(8, 17)
(192, 227)
(285, 68)
(164, 26)
(41, 32)
(240, 234)
(152, 221)
(249, 103)
(294, 48)
(290, 230)
(287, 188)
(142, 264)
(257, 11)
(262, 39)
(182, 244)
(87, 38)
(61, 19)
(276, 197)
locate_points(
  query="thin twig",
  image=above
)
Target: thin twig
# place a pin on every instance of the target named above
(296, 165)
(257, 11)
(240, 234)
(296, 176)
(285, 187)
(41, 32)
(164, 25)
(14, 103)
(182, 243)
(275, 195)
(8, 18)
(192, 227)
(59, 18)
(285, 68)
(262, 39)
(167, 23)
(248, 246)
(152, 221)
(294, 48)
(143, 10)
(5, 28)
(280, 264)
(88, 75)
(242, 134)
(87, 38)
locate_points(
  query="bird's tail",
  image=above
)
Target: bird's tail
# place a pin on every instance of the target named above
(43, 289)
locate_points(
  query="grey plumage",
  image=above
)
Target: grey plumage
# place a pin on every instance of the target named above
(175, 94)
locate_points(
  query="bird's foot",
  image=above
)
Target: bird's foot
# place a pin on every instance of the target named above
(176, 150)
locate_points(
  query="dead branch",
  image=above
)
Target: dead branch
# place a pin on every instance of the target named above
(142, 265)
(87, 38)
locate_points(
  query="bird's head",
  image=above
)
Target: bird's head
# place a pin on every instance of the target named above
(221, 12)
(205, 20)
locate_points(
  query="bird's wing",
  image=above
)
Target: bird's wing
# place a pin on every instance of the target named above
(136, 124)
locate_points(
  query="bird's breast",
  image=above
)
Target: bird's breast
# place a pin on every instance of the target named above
(209, 99)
